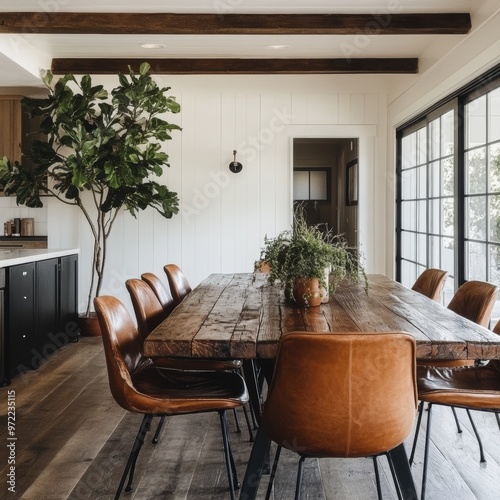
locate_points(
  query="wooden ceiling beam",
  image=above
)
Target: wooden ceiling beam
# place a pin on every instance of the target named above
(237, 66)
(233, 24)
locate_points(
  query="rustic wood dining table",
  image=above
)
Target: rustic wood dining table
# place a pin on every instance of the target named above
(241, 316)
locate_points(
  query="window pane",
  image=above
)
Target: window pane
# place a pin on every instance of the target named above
(409, 184)
(434, 251)
(408, 273)
(475, 117)
(409, 215)
(475, 215)
(434, 179)
(475, 167)
(448, 176)
(448, 227)
(434, 216)
(435, 139)
(422, 216)
(318, 185)
(408, 243)
(494, 162)
(449, 290)
(409, 151)
(494, 115)
(494, 211)
(494, 264)
(422, 182)
(447, 255)
(422, 146)
(447, 133)
(300, 185)
(475, 254)
(422, 249)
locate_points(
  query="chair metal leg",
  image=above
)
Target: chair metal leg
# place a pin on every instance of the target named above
(273, 472)
(136, 448)
(498, 418)
(417, 429)
(459, 429)
(249, 425)
(426, 452)
(236, 421)
(481, 451)
(377, 477)
(299, 477)
(255, 425)
(227, 451)
(156, 437)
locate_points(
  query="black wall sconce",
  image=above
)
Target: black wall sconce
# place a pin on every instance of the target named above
(235, 166)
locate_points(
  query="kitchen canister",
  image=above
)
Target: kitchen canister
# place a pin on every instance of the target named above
(27, 227)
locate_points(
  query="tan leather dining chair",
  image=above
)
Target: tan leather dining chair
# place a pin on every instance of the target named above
(470, 387)
(431, 283)
(149, 314)
(160, 290)
(473, 300)
(179, 285)
(341, 395)
(140, 387)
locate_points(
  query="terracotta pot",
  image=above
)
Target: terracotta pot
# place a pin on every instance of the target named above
(89, 325)
(307, 292)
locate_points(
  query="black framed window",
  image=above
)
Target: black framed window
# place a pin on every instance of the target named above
(448, 192)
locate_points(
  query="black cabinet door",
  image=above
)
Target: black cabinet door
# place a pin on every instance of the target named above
(21, 316)
(68, 315)
(47, 308)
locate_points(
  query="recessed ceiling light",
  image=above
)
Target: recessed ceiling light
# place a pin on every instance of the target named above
(152, 46)
(277, 47)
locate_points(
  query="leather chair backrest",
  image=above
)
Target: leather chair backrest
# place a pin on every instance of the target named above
(160, 290)
(179, 285)
(148, 311)
(342, 394)
(430, 283)
(474, 300)
(122, 348)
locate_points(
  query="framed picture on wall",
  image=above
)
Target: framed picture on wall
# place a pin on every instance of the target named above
(352, 182)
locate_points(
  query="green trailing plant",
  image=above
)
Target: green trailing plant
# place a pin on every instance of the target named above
(102, 153)
(306, 252)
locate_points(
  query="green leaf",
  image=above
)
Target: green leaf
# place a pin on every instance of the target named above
(86, 83)
(144, 69)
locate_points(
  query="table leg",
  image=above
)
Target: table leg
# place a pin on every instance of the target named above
(403, 473)
(253, 473)
(252, 386)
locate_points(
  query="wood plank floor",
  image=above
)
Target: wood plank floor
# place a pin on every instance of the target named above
(73, 440)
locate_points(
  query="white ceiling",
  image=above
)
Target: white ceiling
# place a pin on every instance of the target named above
(22, 56)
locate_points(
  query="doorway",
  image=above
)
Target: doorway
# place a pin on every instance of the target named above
(325, 182)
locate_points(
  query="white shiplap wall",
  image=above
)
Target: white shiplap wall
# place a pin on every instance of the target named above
(224, 217)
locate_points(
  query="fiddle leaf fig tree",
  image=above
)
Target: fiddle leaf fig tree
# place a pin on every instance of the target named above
(102, 153)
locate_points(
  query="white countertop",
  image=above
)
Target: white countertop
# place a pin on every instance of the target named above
(13, 257)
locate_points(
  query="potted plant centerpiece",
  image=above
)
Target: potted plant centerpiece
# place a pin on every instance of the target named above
(308, 262)
(102, 154)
